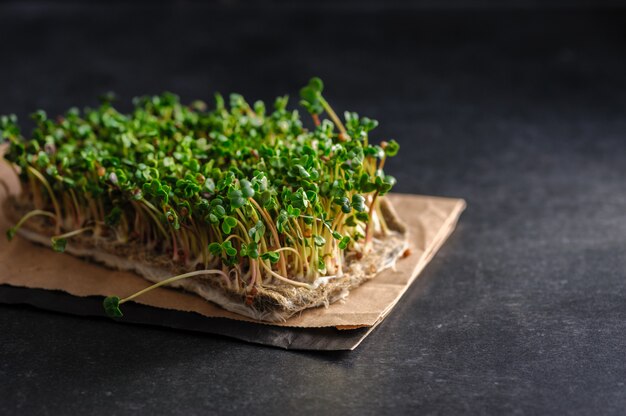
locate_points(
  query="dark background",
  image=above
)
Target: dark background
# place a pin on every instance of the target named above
(518, 107)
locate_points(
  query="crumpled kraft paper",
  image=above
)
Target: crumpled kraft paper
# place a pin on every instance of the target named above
(430, 221)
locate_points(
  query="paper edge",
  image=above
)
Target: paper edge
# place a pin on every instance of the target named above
(447, 229)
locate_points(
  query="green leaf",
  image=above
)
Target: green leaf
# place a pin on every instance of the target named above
(301, 171)
(319, 240)
(39, 116)
(111, 306)
(259, 182)
(362, 216)
(265, 198)
(246, 189)
(236, 198)
(215, 249)
(385, 184)
(308, 94)
(343, 244)
(228, 248)
(316, 84)
(358, 202)
(351, 221)
(58, 244)
(219, 212)
(257, 231)
(392, 148)
(282, 221)
(321, 265)
(11, 233)
(272, 256)
(311, 96)
(344, 203)
(292, 211)
(249, 250)
(228, 224)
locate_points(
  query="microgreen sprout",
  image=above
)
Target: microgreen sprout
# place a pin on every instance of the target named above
(59, 242)
(10, 233)
(244, 191)
(112, 304)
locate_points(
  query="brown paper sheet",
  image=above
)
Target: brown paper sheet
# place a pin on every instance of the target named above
(430, 221)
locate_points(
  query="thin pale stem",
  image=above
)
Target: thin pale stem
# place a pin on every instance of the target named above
(270, 224)
(172, 280)
(32, 214)
(72, 233)
(230, 237)
(55, 203)
(290, 249)
(284, 279)
(333, 115)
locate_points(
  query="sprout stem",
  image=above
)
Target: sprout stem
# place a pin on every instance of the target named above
(284, 279)
(333, 115)
(381, 218)
(32, 214)
(230, 237)
(154, 217)
(369, 228)
(270, 224)
(382, 163)
(172, 280)
(290, 249)
(72, 233)
(55, 203)
(79, 220)
(254, 268)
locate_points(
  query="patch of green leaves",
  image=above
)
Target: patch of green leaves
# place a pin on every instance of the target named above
(191, 168)
(226, 248)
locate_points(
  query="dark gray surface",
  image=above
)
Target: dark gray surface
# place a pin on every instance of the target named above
(521, 112)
